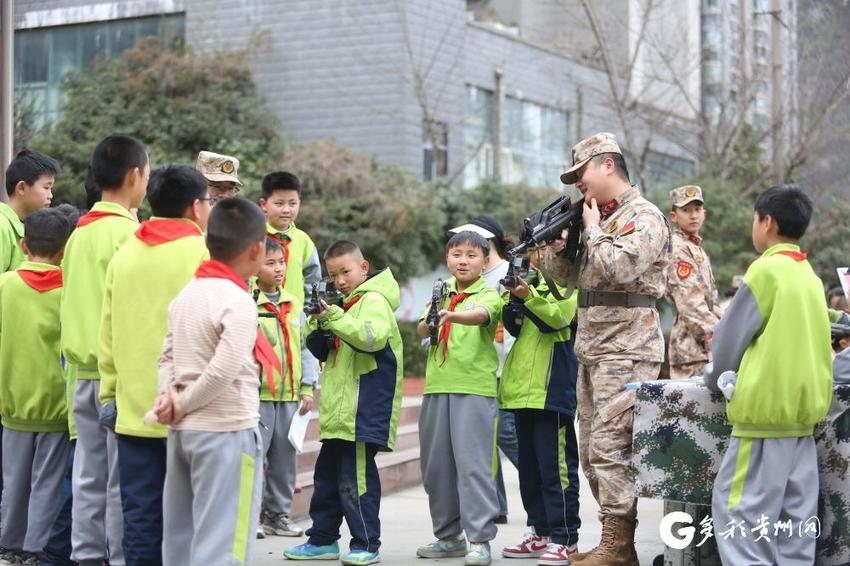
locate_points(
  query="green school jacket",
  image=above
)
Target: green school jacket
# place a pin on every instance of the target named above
(141, 281)
(87, 254)
(471, 360)
(541, 369)
(362, 381)
(303, 267)
(287, 387)
(11, 232)
(775, 334)
(32, 388)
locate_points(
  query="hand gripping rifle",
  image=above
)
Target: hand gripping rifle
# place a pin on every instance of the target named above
(323, 290)
(438, 293)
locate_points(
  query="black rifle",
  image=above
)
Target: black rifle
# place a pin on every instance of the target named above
(518, 268)
(547, 225)
(323, 290)
(438, 293)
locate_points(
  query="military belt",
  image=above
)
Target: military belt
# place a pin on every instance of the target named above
(614, 299)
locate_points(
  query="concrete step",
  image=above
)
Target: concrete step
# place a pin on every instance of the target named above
(407, 436)
(409, 414)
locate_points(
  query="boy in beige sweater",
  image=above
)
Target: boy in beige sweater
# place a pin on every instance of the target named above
(209, 385)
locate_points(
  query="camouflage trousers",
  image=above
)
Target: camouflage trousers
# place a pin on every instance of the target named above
(688, 370)
(606, 416)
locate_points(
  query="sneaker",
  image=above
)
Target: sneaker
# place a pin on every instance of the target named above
(478, 555)
(261, 533)
(450, 547)
(532, 546)
(9, 557)
(501, 520)
(361, 558)
(30, 559)
(558, 555)
(282, 526)
(309, 551)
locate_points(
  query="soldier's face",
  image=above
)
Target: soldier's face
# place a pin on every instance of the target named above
(222, 189)
(690, 217)
(593, 181)
(465, 262)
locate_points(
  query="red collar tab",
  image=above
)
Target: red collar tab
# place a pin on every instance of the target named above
(42, 281)
(161, 230)
(695, 239)
(93, 216)
(447, 326)
(609, 207)
(796, 256)
(216, 269)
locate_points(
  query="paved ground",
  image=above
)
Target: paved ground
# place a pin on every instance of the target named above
(405, 525)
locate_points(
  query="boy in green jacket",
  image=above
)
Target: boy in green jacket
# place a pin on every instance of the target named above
(775, 336)
(539, 385)
(359, 407)
(32, 389)
(119, 166)
(458, 422)
(144, 276)
(280, 199)
(284, 387)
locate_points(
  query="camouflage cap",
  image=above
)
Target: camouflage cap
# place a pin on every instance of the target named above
(587, 149)
(681, 196)
(217, 167)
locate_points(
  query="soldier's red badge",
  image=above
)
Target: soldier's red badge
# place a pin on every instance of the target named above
(628, 228)
(683, 269)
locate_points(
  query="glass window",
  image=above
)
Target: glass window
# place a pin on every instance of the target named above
(665, 171)
(478, 132)
(435, 143)
(44, 56)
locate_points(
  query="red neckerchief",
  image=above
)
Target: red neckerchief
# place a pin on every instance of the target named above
(609, 207)
(161, 230)
(94, 215)
(345, 308)
(284, 243)
(796, 256)
(263, 351)
(447, 326)
(282, 314)
(42, 281)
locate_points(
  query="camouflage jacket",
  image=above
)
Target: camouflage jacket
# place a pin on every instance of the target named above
(691, 289)
(628, 252)
(681, 434)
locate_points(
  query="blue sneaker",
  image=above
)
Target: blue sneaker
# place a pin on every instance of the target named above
(478, 555)
(309, 551)
(361, 558)
(448, 547)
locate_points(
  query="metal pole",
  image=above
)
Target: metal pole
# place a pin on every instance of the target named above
(7, 121)
(497, 126)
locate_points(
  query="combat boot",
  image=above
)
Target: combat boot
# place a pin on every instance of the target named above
(617, 547)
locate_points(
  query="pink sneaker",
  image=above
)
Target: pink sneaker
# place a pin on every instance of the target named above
(531, 546)
(557, 555)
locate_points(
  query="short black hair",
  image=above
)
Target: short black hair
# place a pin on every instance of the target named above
(173, 188)
(474, 239)
(341, 248)
(46, 231)
(71, 212)
(279, 181)
(272, 246)
(235, 224)
(93, 193)
(114, 157)
(28, 166)
(789, 207)
(619, 164)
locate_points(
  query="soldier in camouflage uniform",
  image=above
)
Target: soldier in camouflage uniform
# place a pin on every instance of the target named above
(690, 286)
(622, 274)
(220, 171)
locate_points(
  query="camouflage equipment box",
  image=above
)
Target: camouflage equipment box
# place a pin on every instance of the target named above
(681, 434)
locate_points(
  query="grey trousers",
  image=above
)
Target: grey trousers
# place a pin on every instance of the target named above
(97, 520)
(211, 501)
(279, 455)
(32, 480)
(457, 436)
(765, 482)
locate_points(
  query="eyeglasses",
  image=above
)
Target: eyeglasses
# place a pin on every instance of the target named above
(212, 200)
